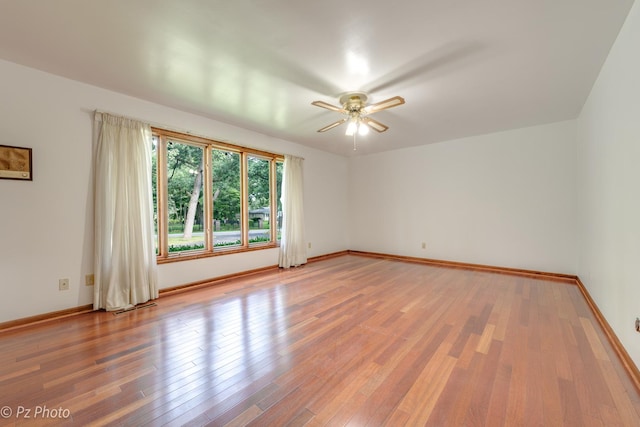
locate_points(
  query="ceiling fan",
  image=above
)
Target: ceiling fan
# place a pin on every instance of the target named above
(354, 106)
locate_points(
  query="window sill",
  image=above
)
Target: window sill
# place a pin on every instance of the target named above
(191, 255)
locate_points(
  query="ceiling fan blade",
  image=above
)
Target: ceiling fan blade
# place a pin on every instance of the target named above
(332, 125)
(323, 104)
(383, 105)
(374, 124)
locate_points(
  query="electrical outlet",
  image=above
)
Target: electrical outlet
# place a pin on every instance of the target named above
(88, 280)
(424, 245)
(637, 325)
(63, 284)
(309, 245)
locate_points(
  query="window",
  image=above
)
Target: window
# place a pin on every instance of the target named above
(226, 199)
(212, 198)
(259, 200)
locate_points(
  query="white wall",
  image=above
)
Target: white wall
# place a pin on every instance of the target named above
(505, 199)
(46, 225)
(608, 135)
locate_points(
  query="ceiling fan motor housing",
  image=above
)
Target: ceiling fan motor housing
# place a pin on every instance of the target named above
(353, 101)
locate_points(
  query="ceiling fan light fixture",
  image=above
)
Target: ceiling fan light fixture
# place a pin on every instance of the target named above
(352, 127)
(363, 129)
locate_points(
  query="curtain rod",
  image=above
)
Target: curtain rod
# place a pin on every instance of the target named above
(161, 126)
(152, 124)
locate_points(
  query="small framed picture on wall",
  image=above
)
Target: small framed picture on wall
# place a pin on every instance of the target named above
(15, 163)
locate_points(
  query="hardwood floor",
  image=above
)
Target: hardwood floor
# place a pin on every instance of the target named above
(345, 341)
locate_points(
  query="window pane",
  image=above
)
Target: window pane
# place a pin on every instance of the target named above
(279, 166)
(154, 187)
(259, 200)
(226, 198)
(184, 196)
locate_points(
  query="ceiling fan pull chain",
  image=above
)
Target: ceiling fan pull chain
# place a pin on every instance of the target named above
(354, 141)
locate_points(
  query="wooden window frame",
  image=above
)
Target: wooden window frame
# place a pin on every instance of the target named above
(209, 250)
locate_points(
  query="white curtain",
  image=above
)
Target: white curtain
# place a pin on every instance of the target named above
(125, 260)
(293, 249)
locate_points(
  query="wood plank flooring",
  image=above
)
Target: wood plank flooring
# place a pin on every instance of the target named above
(347, 341)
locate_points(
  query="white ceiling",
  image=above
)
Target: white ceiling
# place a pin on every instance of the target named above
(464, 67)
